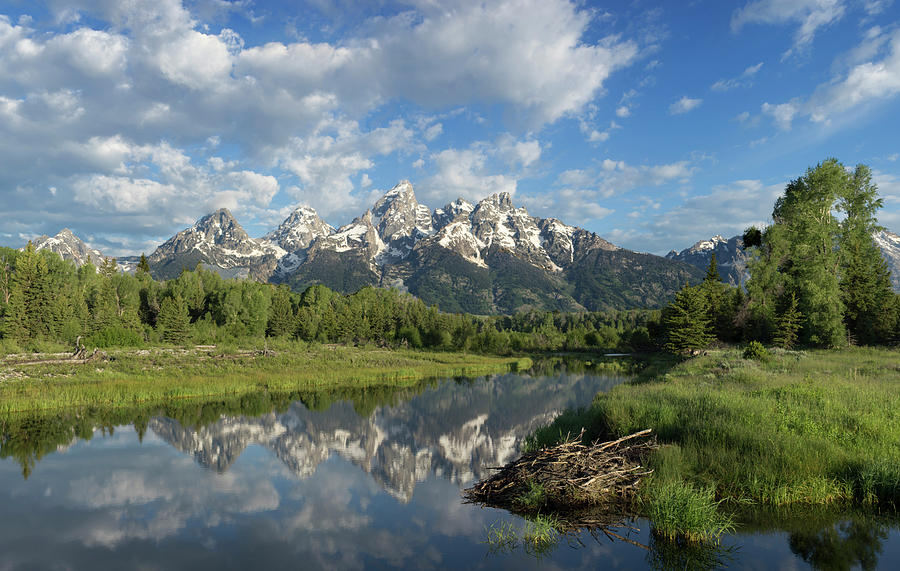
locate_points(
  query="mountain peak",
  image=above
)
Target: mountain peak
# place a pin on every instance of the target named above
(69, 247)
(299, 230)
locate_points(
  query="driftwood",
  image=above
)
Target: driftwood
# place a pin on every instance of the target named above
(571, 476)
(79, 357)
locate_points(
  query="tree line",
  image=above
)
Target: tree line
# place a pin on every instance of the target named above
(817, 278)
(45, 300)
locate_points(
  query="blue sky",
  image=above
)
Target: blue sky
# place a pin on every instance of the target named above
(654, 124)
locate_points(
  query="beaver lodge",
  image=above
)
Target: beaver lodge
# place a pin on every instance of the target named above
(569, 476)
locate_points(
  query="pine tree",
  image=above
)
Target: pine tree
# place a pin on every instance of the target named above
(712, 271)
(143, 266)
(173, 320)
(686, 321)
(789, 323)
(865, 278)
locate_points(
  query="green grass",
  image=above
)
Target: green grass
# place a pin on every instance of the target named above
(534, 498)
(679, 511)
(816, 428)
(165, 374)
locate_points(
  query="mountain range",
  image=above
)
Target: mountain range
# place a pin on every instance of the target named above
(484, 258)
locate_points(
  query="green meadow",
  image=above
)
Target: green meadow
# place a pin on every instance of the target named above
(158, 375)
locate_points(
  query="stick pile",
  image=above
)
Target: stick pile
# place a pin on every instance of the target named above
(571, 475)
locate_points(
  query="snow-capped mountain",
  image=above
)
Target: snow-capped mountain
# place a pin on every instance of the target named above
(299, 230)
(487, 257)
(218, 242)
(730, 257)
(400, 222)
(69, 247)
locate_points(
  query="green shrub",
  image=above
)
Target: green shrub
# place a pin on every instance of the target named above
(115, 336)
(756, 350)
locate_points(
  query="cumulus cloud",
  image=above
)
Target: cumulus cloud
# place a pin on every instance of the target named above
(782, 113)
(684, 105)
(529, 54)
(811, 15)
(327, 161)
(583, 195)
(466, 173)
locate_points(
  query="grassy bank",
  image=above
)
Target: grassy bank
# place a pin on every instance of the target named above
(164, 374)
(793, 428)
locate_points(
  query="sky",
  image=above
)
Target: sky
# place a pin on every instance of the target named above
(652, 123)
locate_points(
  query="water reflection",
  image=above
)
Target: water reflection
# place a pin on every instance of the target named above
(856, 543)
(344, 479)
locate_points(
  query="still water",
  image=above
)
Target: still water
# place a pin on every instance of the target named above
(365, 479)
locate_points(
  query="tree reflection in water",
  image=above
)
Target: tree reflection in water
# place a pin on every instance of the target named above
(842, 545)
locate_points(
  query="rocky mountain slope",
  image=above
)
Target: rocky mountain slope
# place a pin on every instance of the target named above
(69, 247)
(219, 243)
(731, 257)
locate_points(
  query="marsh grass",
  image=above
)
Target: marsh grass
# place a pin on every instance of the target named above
(164, 374)
(814, 428)
(539, 536)
(534, 498)
(818, 427)
(681, 512)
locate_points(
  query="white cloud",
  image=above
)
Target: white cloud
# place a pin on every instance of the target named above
(783, 113)
(865, 82)
(527, 53)
(811, 15)
(580, 194)
(260, 188)
(623, 111)
(743, 80)
(326, 161)
(195, 60)
(889, 190)
(466, 173)
(684, 105)
(140, 105)
(518, 153)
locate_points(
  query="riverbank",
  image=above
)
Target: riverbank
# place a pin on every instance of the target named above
(793, 428)
(125, 377)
